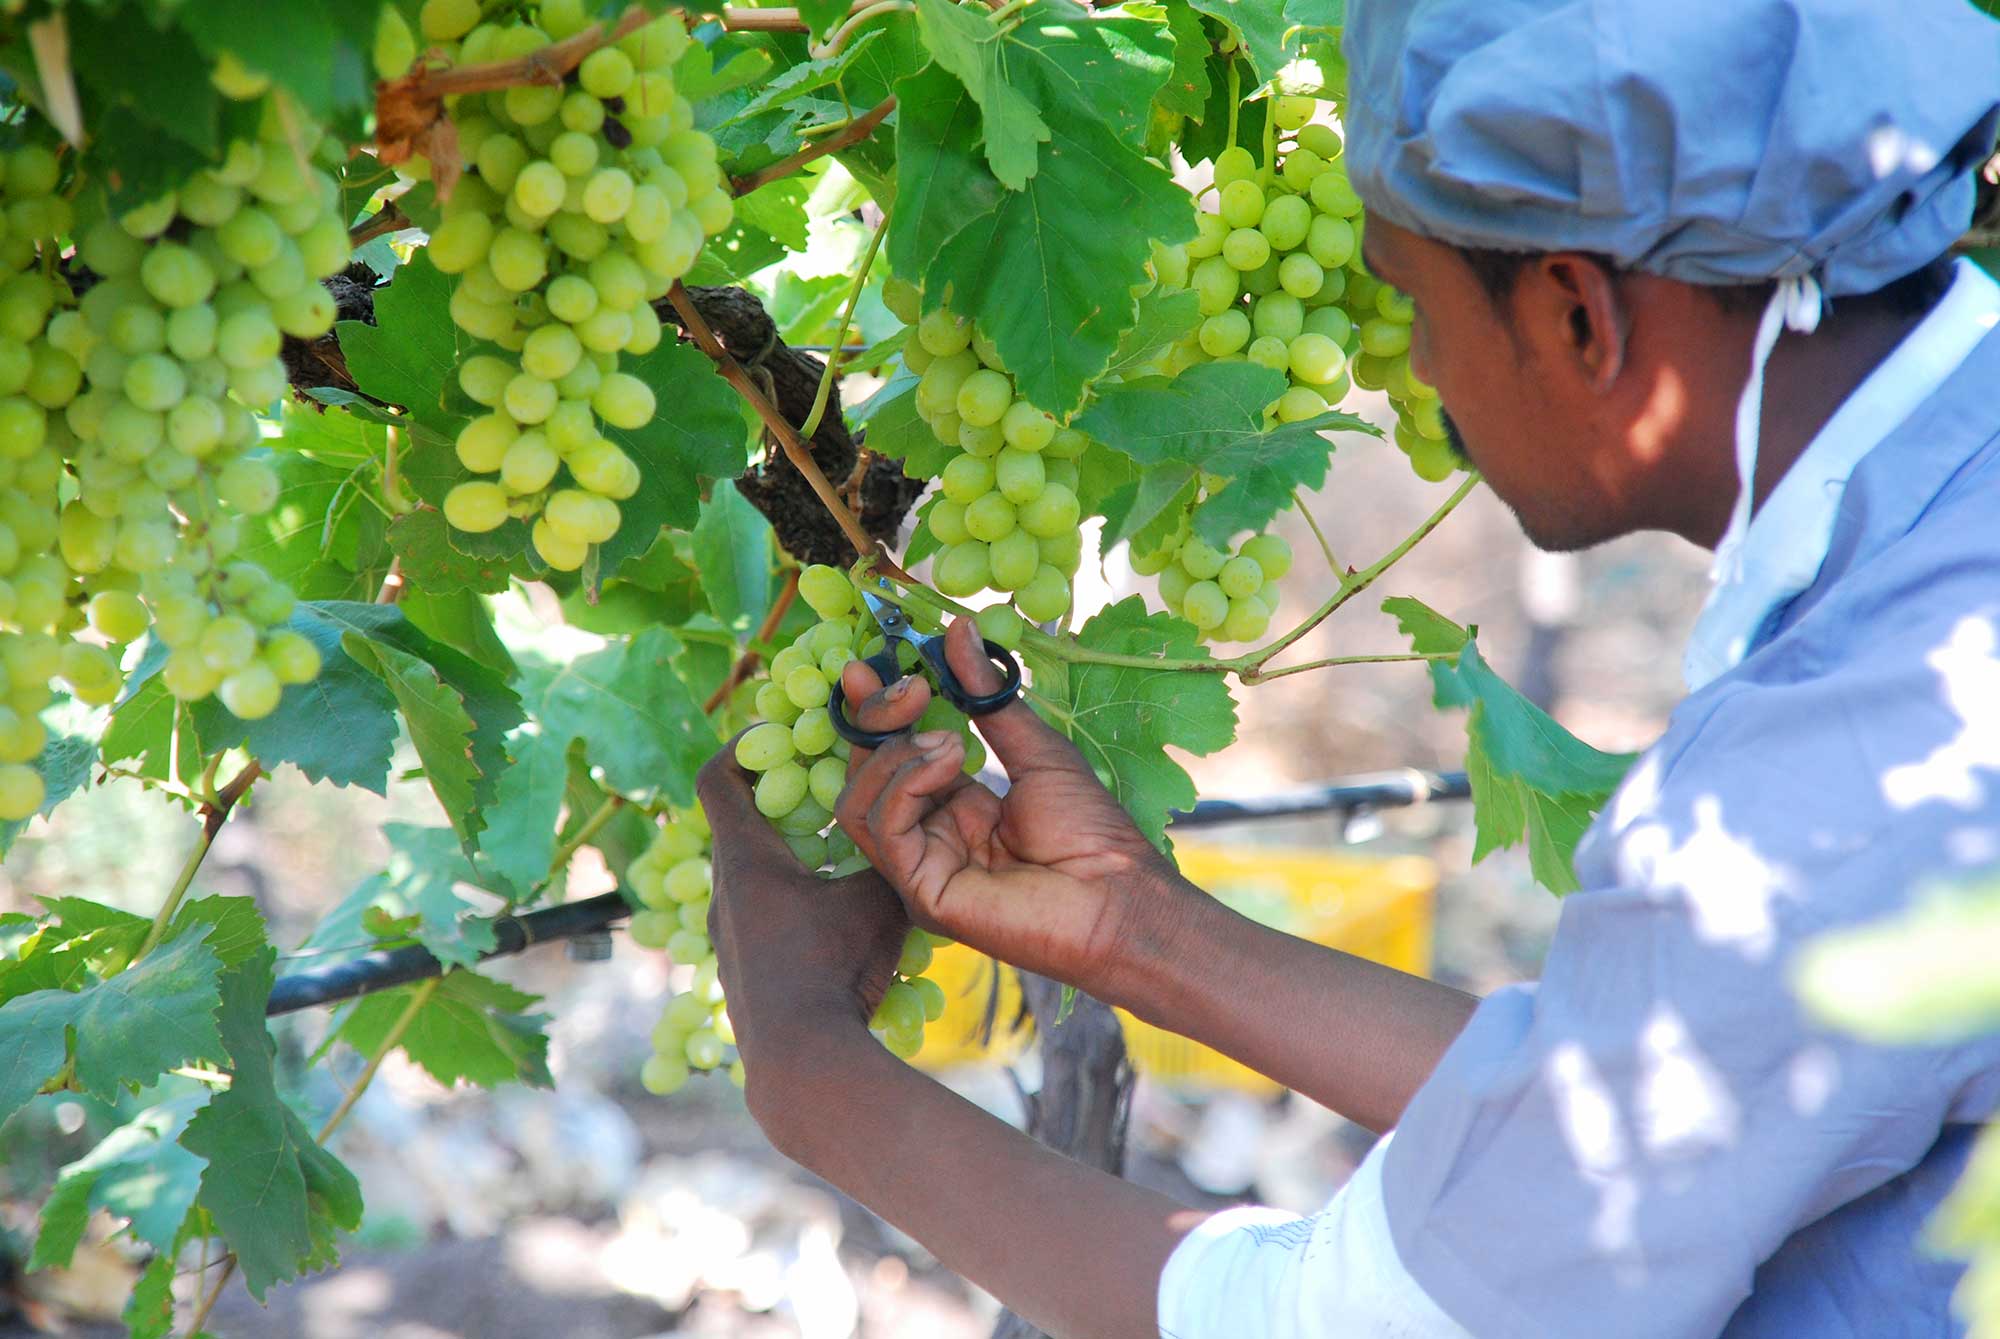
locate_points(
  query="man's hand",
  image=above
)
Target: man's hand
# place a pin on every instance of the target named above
(1052, 876)
(804, 960)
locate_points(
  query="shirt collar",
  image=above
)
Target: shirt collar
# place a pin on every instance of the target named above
(1781, 549)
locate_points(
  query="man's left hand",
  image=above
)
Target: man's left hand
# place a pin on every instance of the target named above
(804, 960)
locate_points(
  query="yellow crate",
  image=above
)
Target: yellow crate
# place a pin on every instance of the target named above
(1374, 907)
(1378, 908)
(962, 1036)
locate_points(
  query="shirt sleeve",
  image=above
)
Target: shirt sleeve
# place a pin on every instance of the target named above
(1263, 1274)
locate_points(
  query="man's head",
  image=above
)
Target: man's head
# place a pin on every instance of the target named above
(1596, 401)
(1591, 200)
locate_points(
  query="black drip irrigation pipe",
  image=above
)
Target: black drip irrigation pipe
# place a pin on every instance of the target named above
(386, 968)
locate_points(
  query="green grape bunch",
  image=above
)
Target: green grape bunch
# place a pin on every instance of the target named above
(672, 880)
(1276, 267)
(1229, 595)
(129, 442)
(582, 203)
(801, 767)
(1007, 515)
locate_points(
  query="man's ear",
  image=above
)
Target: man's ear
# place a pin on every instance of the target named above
(1586, 306)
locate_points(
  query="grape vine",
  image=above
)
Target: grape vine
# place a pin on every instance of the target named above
(549, 506)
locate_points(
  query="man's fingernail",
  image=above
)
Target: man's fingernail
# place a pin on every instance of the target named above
(930, 739)
(900, 689)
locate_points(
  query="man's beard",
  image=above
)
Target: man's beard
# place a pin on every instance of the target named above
(1456, 441)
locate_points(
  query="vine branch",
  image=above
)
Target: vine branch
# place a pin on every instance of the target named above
(214, 813)
(746, 664)
(860, 128)
(788, 437)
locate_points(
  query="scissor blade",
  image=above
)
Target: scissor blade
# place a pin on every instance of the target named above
(890, 618)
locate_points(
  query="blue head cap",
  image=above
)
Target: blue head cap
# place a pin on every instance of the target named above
(1710, 141)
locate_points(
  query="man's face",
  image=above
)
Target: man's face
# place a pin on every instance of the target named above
(1515, 418)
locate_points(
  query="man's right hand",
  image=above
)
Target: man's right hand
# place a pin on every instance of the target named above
(1052, 876)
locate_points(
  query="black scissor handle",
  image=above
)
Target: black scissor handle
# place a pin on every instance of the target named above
(972, 704)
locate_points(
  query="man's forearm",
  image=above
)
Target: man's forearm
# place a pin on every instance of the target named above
(1351, 1034)
(1075, 1251)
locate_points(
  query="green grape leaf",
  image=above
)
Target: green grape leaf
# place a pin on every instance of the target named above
(461, 621)
(149, 1311)
(636, 718)
(472, 1027)
(733, 553)
(235, 928)
(973, 47)
(317, 49)
(520, 838)
(1035, 268)
(325, 538)
(1124, 717)
(60, 958)
(1186, 89)
(897, 431)
(808, 76)
(126, 1031)
(421, 539)
(138, 1172)
(1275, 33)
(699, 434)
(1924, 975)
(275, 1195)
(778, 209)
(64, 763)
(1210, 420)
(439, 727)
(421, 879)
(1103, 477)
(1163, 318)
(822, 16)
(409, 357)
(923, 541)
(153, 729)
(1532, 780)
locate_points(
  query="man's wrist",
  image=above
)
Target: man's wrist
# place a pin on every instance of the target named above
(1168, 930)
(792, 1084)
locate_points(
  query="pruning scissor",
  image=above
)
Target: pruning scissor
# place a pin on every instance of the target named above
(896, 627)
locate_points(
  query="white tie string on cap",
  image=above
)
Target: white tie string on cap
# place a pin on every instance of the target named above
(1797, 304)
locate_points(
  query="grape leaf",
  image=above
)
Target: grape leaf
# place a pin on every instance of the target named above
(138, 1172)
(421, 879)
(1123, 718)
(699, 434)
(1186, 89)
(461, 621)
(1036, 268)
(1163, 318)
(808, 76)
(897, 431)
(422, 540)
(324, 538)
(1532, 780)
(314, 48)
(472, 1027)
(636, 718)
(1275, 33)
(125, 1031)
(974, 48)
(1210, 420)
(150, 726)
(732, 552)
(520, 839)
(440, 730)
(149, 1311)
(276, 1196)
(822, 16)
(63, 764)
(409, 357)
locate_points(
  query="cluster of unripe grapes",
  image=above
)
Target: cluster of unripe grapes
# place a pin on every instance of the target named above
(1007, 515)
(1278, 272)
(671, 877)
(129, 444)
(1228, 596)
(801, 767)
(582, 203)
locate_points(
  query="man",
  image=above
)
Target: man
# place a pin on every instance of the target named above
(1675, 266)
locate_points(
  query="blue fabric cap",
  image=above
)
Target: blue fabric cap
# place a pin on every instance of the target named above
(1710, 141)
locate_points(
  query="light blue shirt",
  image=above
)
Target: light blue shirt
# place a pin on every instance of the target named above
(1653, 1140)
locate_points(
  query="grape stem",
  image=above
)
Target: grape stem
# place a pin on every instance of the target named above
(788, 438)
(550, 65)
(746, 664)
(837, 39)
(810, 428)
(1248, 667)
(1333, 563)
(850, 134)
(383, 221)
(589, 828)
(214, 813)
